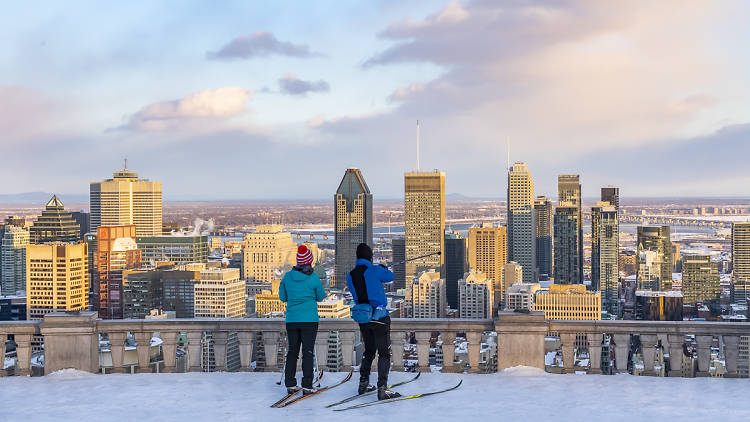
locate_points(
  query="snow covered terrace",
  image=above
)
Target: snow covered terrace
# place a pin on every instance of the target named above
(515, 394)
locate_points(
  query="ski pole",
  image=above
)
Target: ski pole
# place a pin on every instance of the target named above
(415, 258)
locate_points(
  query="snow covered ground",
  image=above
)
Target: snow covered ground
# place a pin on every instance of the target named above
(517, 394)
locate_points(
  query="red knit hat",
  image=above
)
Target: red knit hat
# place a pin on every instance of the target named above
(304, 256)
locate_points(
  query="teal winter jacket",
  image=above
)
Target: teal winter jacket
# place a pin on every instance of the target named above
(301, 291)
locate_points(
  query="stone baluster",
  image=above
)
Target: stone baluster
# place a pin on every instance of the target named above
(449, 350)
(117, 350)
(220, 350)
(595, 352)
(23, 353)
(568, 348)
(3, 339)
(246, 349)
(731, 354)
(397, 350)
(194, 350)
(271, 348)
(676, 342)
(648, 350)
(321, 349)
(704, 354)
(347, 349)
(423, 350)
(475, 344)
(143, 348)
(169, 350)
(622, 349)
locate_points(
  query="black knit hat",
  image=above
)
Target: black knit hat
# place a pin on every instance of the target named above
(364, 251)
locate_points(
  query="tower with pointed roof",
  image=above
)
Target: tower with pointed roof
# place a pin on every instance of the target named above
(352, 222)
(54, 225)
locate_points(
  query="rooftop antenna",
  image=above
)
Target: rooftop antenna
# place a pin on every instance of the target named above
(417, 145)
(126, 164)
(507, 153)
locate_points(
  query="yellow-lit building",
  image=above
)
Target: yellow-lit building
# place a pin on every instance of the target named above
(424, 220)
(475, 296)
(268, 248)
(124, 200)
(267, 302)
(220, 293)
(57, 278)
(569, 301)
(333, 307)
(426, 296)
(487, 253)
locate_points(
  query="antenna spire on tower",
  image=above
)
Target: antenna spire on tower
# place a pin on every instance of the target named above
(126, 164)
(417, 145)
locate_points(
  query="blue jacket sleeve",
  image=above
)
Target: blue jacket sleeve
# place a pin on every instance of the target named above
(320, 292)
(384, 274)
(350, 285)
(282, 290)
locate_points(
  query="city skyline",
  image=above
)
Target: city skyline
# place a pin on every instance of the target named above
(575, 81)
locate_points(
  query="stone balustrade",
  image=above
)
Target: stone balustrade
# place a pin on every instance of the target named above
(73, 341)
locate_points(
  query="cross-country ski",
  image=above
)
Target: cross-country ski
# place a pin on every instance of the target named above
(414, 396)
(292, 394)
(369, 393)
(316, 392)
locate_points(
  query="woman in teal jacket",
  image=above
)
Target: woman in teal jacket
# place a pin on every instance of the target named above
(301, 290)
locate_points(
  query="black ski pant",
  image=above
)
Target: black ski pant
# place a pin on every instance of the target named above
(377, 338)
(300, 334)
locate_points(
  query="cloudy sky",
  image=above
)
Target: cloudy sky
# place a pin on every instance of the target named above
(233, 100)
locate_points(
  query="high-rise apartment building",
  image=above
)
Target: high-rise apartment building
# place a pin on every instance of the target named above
(568, 265)
(54, 225)
(57, 278)
(116, 251)
(476, 296)
(398, 246)
(352, 223)
(142, 291)
(520, 296)
(424, 221)
(654, 258)
(270, 247)
(741, 262)
(13, 259)
(700, 279)
(179, 249)
(425, 296)
(124, 200)
(455, 265)
(605, 254)
(487, 254)
(522, 220)
(611, 194)
(569, 302)
(544, 234)
(220, 294)
(4, 225)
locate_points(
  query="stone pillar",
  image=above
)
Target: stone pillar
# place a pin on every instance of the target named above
(143, 349)
(397, 350)
(423, 350)
(648, 349)
(520, 339)
(117, 350)
(449, 350)
(23, 354)
(731, 354)
(475, 344)
(220, 350)
(71, 340)
(321, 349)
(704, 354)
(568, 351)
(675, 354)
(347, 348)
(194, 350)
(3, 339)
(169, 350)
(595, 352)
(271, 348)
(622, 349)
(246, 349)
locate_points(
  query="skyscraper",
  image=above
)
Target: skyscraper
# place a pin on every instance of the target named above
(605, 255)
(455, 265)
(173, 248)
(269, 248)
(54, 225)
(568, 266)
(124, 200)
(486, 251)
(740, 262)
(544, 234)
(352, 222)
(424, 221)
(700, 279)
(521, 221)
(398, 246)
(116, 252)
(569, 196)
(13, 259)
(611, 194)
(654, 258)
(83, 219)
(57, 278)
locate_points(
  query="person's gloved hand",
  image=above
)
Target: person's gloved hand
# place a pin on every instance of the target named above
(383, 265)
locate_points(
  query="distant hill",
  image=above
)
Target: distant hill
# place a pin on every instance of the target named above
(41, 198)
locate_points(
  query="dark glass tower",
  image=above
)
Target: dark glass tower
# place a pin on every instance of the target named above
(352, 223)
(544, 232)
(455, 266)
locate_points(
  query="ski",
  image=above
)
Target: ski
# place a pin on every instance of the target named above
(356, 396)
(290, 395)
(320, 390)
(415, 396)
